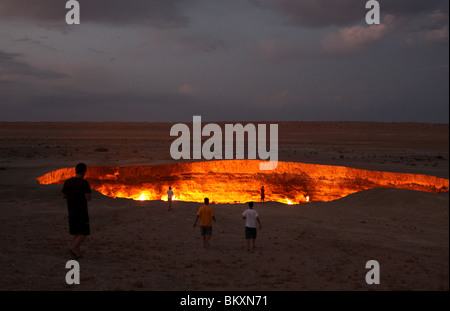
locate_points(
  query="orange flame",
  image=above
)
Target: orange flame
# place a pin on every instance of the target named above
(166, 197)
(239, 181)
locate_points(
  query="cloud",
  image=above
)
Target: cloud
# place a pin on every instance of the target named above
(437, 20)
(201, 43)
(184, 42)
(433, 31)
(355, 39)
(186, 89)
(345, 42)
(10, 65)
(39, 43)
(276, 50)
(323, 13)
(434, 35)
(79, 105)
(157, 13)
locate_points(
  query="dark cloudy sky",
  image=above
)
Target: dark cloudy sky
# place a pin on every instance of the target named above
(226, 60)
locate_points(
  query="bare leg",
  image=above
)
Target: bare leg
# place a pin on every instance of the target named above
(248, 244)
(77, 240)
(73, 248)
(206, 241)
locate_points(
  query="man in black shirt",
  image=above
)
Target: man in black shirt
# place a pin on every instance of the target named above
(77, 192)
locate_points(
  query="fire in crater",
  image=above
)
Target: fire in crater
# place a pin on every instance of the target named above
(239, 181)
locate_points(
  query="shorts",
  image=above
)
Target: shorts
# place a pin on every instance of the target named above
(250, 233)
(205, 230)
(79, 226)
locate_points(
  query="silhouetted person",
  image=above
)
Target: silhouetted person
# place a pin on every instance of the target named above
(77, 192)
(206, 215)
(169, 197)
(262, 194)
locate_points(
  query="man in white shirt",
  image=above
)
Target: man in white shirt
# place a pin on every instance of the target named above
(169, 197)
(251, 218)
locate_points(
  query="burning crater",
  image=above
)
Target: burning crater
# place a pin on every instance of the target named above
(239, 181)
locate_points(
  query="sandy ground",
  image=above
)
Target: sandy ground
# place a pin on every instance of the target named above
(140, 246)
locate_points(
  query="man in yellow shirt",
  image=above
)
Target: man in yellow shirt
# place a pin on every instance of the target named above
(206, 215)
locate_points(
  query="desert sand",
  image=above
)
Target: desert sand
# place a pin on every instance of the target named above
(141, 246)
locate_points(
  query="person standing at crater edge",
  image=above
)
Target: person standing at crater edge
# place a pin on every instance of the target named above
(169, 198)
(262, 194)
(77, 192)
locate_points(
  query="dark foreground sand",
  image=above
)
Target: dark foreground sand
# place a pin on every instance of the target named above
(140, 246)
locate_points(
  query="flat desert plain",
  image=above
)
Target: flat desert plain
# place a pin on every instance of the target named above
(137, 245)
